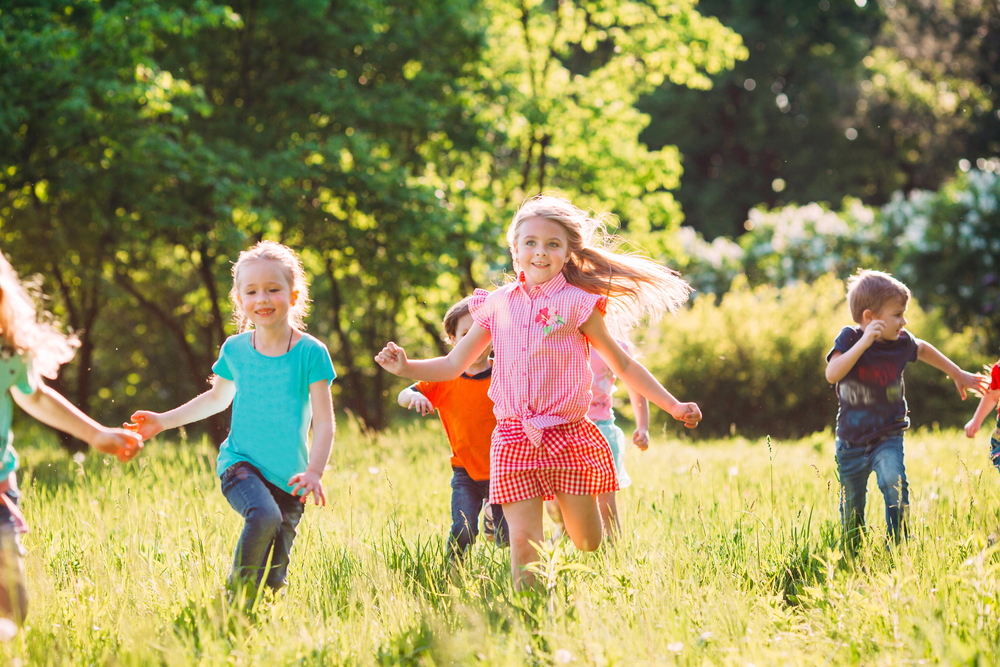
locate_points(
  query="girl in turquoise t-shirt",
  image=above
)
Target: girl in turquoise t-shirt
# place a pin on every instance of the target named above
(32, 348)
(277, 378)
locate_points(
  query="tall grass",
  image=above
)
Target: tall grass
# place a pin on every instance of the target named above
(729, 555)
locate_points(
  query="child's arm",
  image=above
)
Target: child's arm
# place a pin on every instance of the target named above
(986, 405)
(931, 355)
(640, 406)
(215, 400)
(412, 399)
(440, 369)
(635, 374)
(323, 425)
(841, 363)
(50, 407)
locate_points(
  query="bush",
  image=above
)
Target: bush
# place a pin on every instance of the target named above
(755, 361)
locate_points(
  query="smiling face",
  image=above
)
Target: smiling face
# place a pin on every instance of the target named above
(265, 292)
(542, 249)
(893, 313)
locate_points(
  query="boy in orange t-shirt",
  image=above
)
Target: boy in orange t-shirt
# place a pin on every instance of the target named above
(467, 414)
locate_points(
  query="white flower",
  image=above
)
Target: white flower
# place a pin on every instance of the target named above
(563, 657)
(675, 647)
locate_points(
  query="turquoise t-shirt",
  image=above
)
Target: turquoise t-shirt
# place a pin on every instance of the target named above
(15, 371)
(271, 410)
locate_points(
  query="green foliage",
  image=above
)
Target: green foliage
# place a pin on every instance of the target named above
(949, 248)
(142, 146)
(755, 361)
(835, 99)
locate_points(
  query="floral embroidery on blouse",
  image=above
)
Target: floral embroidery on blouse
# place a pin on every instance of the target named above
(549, 322)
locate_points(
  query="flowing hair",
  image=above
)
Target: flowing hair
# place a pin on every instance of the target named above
(296, 275)
(636, 286)
(26, 327)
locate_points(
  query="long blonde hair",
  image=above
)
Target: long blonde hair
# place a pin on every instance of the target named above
(636, 286)
(292, 266)
(26, 327)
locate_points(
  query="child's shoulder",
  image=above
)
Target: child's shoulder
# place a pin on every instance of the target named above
(237, 340)
(309, 340)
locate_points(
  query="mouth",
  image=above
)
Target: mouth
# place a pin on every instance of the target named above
(265, 312)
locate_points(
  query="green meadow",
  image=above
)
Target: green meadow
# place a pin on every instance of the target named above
(729, 555)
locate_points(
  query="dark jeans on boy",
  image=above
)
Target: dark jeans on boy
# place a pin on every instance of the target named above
(271, 516)
(467, 496)
(855, 463)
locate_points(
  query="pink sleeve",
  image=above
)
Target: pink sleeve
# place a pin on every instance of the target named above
(995, 377)
(586, 306)
(481, 314)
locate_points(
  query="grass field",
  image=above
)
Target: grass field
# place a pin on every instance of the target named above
(729, 556)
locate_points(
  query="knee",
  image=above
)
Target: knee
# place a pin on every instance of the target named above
(588, 541)
(265, 519)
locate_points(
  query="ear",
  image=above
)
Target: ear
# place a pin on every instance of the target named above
(867, 316)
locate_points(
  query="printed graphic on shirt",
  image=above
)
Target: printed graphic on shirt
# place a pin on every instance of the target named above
(871, 395)
(549, 322)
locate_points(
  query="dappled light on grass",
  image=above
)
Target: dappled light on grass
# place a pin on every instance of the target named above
(729, 553)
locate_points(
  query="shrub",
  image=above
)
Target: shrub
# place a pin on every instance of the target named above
(755, 361)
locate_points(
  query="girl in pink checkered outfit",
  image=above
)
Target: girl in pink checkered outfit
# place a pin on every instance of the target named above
(542, 325)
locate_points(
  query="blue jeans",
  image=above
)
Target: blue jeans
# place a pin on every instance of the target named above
(13, 584)
(995, 445)
(467, 496)
(855, 463)
(270, 516)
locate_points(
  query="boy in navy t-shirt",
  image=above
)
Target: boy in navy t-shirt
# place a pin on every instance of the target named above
(867, 363)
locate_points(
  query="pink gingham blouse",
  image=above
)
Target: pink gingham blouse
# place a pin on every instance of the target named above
(541, 372)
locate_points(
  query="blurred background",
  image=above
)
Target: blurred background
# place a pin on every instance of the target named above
(765, 148)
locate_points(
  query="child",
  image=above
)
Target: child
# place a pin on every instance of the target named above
(866, 363)
(603, 415)
(988, 403)
(542, 326)
(33, 348)
(467, 414)
(277, 378)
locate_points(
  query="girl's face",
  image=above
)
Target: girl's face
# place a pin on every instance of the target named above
(265, 292)
(542, 249)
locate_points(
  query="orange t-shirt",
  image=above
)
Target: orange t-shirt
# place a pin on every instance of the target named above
(467, 414)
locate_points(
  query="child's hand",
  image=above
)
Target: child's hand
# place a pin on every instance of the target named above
(392, 358)
(147, 424)
(124, 444)
(978, 384)
(972, 428)
(419, 403)
(872, 332)
(640, 438)
(308, 482)
(689, 413)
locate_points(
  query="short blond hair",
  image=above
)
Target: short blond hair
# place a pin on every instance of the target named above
(870, 290)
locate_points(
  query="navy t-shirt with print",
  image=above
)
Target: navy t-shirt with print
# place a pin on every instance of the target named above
(872, 401)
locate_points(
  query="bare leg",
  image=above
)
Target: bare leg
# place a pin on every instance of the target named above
(609, 514)
(583, 520)
(524, 519)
